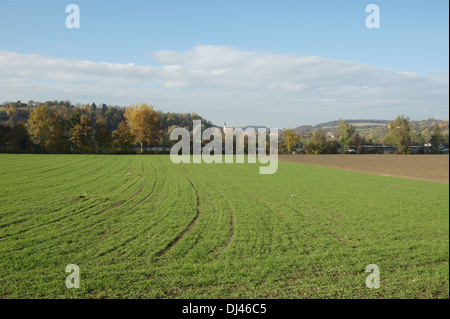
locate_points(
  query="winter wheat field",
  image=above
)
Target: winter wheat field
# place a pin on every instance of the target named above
(142, 227)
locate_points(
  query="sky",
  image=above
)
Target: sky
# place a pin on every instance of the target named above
(278, 63)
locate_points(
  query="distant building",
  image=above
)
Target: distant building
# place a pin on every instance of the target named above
(226, 129)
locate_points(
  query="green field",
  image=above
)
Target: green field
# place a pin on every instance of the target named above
(142, 227)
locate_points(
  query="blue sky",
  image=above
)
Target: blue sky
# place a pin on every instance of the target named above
(413, 39)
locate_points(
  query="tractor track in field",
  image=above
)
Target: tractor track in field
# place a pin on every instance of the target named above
(36, 172)
(336, 214)
(73, 214)
(31, 173)
(53, 184)
(316, 211)
(326, 230)
(115, 205)
(151, 191)
(96, 170)
(171, 244)
(274, 213)
(49, 222)
(58, 168)
(130, 239)
(118, 204)
(313, 210)
(221, 249)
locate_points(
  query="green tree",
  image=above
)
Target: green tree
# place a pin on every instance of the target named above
(357, 141)
(445, 138)
(399, 134)
(436, 139)
(103, 137)
(72, 120)
(318, 143)
(20, 138)
(5, 137)
(417, 137)
(347, 133)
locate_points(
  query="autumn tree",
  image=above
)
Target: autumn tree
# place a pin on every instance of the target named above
(123, 137)
(319, 144)
(291, 140)
(347, 133)
(11, 112)
(144, 124)
(399, 134)
(46, 129)
(82, 135)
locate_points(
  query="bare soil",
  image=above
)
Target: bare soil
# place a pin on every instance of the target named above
(433, 168)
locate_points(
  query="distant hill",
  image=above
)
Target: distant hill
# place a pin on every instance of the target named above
(304, 129)
(355, 123)
(360, 124)
(366, 126)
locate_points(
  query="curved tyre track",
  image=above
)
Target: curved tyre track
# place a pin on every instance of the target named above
(161, 253)
(220, 250)
(115, 205)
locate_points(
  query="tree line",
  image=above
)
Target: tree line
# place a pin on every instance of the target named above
(60, 127)
(400, 135)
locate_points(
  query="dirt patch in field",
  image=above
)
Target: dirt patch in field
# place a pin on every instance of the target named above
(433, 168)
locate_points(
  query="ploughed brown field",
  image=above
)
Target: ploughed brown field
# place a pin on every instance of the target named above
(434, 168)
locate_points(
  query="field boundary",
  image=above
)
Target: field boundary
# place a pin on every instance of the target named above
(430, 168)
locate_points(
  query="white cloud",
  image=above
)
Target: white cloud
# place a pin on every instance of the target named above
(225, 84)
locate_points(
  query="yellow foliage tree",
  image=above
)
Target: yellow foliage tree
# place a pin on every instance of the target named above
(46, 129)
(123, 137)
(291, 140)
(82, 135)
(144, 124)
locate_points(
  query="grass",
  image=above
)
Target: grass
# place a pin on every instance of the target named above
(142, 227)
